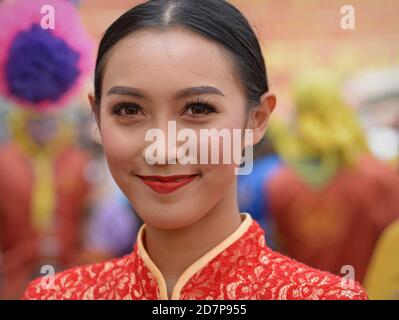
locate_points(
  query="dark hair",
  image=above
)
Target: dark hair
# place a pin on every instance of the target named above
(215, 19)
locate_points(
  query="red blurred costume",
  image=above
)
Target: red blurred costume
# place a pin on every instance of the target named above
(328, 228)
(240, 267)
(22, 244)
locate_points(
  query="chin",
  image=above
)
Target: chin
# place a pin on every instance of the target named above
(169, 218)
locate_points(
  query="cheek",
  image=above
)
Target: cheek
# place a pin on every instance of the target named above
(223, 143)
(217, 178)
(120, 146)
(219, 171)
(114, 145)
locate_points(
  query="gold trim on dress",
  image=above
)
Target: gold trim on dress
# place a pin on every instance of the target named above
(197, 265)
(163, 293)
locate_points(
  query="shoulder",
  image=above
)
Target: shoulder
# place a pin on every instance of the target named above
(82, 282)
(294, 280)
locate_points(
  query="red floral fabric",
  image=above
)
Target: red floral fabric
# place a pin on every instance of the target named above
(247, 269)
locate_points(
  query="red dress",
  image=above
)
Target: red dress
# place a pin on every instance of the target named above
(240, 267)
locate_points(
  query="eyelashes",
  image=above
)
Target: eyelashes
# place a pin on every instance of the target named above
(126, 109)
(196, 108)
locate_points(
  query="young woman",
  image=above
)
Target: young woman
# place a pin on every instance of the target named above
(198, 64)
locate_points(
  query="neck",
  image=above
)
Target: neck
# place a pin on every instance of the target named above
(173, 251)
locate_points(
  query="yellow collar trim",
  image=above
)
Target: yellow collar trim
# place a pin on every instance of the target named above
(196, 266)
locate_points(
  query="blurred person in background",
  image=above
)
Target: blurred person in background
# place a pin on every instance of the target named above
(43, 200)
(332, 199)
(44, 192)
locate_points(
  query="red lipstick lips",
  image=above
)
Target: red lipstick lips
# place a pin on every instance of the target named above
(167, 184)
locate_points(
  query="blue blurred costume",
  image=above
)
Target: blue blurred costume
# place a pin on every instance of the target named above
(251, 192)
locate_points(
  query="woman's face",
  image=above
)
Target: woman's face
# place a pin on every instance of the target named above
(161, 67)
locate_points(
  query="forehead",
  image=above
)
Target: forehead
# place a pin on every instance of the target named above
(168, 60)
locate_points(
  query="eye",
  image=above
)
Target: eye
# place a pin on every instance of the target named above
(127, 109)
(199, 108)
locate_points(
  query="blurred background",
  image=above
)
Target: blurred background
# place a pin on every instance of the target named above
(325, 184)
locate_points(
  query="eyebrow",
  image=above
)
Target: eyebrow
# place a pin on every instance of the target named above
(134, 92)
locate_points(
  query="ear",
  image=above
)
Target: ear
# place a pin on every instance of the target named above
(94, 108)
(259, 118)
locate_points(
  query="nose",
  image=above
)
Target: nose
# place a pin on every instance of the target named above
(161, 149)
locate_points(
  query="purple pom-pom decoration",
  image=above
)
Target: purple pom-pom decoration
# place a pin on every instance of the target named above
(42, 68)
